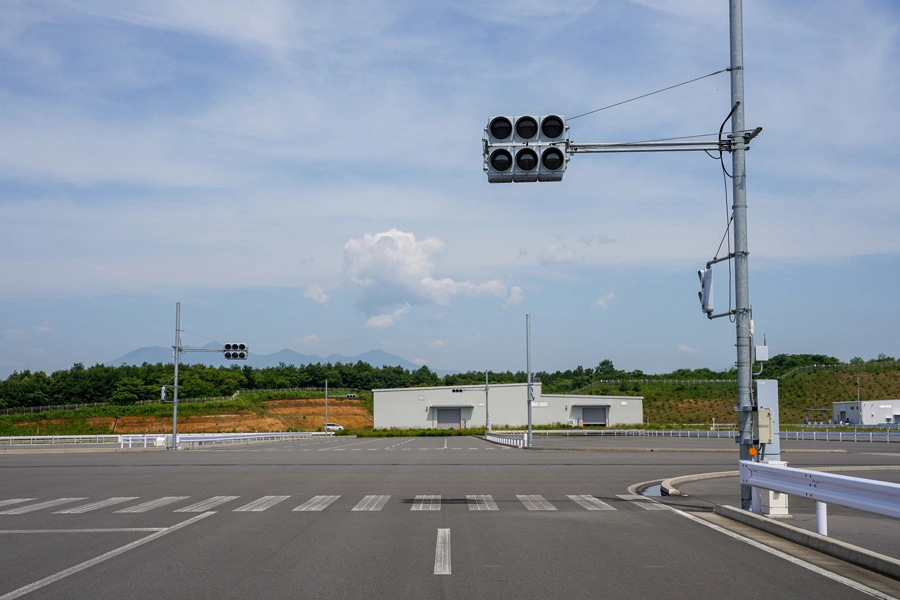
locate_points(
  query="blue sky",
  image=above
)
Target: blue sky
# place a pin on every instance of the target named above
(308, 175)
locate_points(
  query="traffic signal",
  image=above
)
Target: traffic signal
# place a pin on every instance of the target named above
(238, 351)
(706, 290)
(525, 148)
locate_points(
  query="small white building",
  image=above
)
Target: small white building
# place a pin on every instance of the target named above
(460, 407)
(866, 412)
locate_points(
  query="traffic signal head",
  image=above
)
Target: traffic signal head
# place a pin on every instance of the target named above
(706, 290)
(525, 148)
(236, 351)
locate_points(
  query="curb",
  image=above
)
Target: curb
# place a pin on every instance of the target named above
(861, 557)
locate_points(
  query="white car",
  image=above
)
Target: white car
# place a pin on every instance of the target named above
(333, 427)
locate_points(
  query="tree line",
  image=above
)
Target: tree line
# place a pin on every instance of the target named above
(127, 384)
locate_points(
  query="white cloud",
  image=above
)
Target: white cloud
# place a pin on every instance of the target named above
(317, 295)
(685, 349)
(307, 339)
(516, 297)
(394, 268)
(15, 333)
(387, 319)
(44, 327)
(558, 254)
(419, 361)
(605, 301)
(437, 344)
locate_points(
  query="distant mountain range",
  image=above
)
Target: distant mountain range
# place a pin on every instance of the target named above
(159, 354)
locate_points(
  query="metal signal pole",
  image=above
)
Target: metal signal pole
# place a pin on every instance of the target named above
(741, 253)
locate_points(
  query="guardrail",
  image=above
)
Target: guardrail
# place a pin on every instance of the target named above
(878, 497)
(507, 438)
(29, 440)
(190, 440)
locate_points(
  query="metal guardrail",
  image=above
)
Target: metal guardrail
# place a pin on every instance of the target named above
(190, 440)
(878, 497)
(34, 440)
(150, 440)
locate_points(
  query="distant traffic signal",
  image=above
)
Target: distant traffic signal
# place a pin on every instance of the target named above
(236, 351)
(525, 148)
(706, 290)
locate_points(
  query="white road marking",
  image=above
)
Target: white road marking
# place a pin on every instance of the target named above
(95, 505)
(442, 553)
(371, 503)
(95, 561)
(481, 502)
(643, 502)
(114, 530)
(207, 504)
(14, 501)
(591, 503)
(152, 504)
(535, 502)
(39, 506)
(792, 559)
(317, 503)
(427, 502)
(261, 504)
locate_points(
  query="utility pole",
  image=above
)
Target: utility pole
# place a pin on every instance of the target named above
(177, 350)
(741, 253)
(530, 392)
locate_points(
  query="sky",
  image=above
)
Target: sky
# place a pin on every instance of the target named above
(309, 175)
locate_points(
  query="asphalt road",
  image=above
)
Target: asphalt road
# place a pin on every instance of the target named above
(403, 518)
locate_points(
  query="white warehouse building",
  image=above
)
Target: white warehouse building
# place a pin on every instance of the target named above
(866, 412)
(460, 407)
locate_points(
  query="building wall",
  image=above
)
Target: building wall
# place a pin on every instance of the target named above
(867, 412)
(417, 408)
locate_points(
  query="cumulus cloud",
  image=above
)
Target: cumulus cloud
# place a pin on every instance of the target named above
(317, 295)
(393, 269)
(685, 349)
(44, 327)
(605, 301)
(437, 344)
(515, 298)
(307, 339)
(387, 319)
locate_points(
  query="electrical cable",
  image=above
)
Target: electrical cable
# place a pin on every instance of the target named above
(649, 94)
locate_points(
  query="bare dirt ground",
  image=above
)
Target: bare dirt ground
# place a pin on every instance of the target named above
(279, 415)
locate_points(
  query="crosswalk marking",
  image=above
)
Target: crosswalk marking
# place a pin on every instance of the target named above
(481, 502)
(262, 504)
(95, 505)
(427, 502)
(14, 501)
(643, 502)
(535, 502)
(371, 503)
(591, 503)
(374, 502)
(317, 503)
(39, 506)
(139, 508)
(205, 505)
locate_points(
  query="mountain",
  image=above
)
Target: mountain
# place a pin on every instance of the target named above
(159, 354)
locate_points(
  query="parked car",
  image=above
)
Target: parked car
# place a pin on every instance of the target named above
(333, 427)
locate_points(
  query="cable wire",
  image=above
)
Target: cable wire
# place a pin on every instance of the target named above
(649, 94)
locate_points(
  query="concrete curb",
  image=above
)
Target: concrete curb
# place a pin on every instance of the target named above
(669, 487)
(867, 559)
